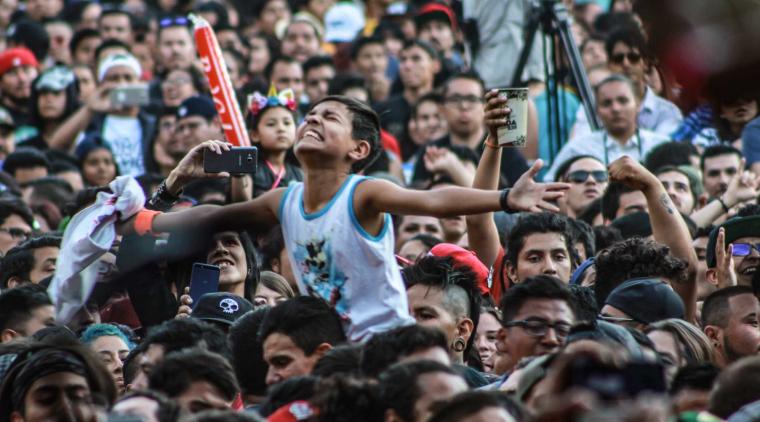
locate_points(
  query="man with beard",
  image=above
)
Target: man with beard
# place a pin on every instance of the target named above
(301, 40)
(176, 47)
(719, 164)
(18, 68)
(538, 316)
(743, 234)
(588, 179)
(679, 188)
(730, 318)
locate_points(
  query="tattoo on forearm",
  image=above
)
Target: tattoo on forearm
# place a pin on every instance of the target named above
(665, 201)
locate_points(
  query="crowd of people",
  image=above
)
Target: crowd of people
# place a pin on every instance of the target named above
(389, 259)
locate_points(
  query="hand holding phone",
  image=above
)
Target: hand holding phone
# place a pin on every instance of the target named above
(130, 96)
(237, 160)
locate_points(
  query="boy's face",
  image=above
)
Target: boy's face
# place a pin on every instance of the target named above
(327, 132)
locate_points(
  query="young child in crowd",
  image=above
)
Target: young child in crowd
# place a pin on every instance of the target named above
(336, 224)
(272, 124)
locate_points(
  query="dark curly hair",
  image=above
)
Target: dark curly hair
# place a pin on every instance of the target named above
(631, 258)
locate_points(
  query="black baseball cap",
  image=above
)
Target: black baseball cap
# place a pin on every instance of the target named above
(632, 225)
(197, 105)
(647, 300)
(736, 228)
(221, 307)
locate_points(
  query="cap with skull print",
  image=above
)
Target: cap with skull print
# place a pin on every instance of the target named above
(221, 307)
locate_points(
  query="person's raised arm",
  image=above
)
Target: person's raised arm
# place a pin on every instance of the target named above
(64, 136)
(482, 233)
(668, 227)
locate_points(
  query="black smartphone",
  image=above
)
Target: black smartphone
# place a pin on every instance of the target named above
(615, 383)
(238, 160)
(204, 279)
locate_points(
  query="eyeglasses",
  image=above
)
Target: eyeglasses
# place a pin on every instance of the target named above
(539, 327)
(633, 58)
(580, 176)
(744, 249)
(465, 100)
(178, 21)
(16, 233)
(177, 81)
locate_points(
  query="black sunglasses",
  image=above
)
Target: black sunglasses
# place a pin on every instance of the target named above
(580, 176)
(633, 58)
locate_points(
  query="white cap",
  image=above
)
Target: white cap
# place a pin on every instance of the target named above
(118, 59)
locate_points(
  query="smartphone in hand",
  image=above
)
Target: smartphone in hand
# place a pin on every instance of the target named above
(204, 279)
(130, 96)
(238, 160)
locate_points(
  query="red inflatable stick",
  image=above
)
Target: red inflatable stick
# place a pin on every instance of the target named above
(219, 82)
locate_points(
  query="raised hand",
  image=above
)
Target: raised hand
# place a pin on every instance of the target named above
(100, 101)
(724, 259)
(743, 187)
(529, 195)
(191, 165)
(496, 113)
(185, 303)
(631, 173)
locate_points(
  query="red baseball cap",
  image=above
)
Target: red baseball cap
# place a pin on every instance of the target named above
(437, 8)
(463, 257)
(292, 412)
(15, 57)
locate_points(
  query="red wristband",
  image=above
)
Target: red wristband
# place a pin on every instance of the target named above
(144, 222)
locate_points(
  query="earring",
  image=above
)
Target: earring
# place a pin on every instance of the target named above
(459, 345)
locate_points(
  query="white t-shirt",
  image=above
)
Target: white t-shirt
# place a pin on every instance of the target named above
(124, 136)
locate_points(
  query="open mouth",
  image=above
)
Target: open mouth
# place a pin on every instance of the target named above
(312, 134)
(223, 263)
(749, 271)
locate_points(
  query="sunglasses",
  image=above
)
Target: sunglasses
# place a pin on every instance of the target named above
(744, 249)
(580, 176)
(633, 58)
(178, 21)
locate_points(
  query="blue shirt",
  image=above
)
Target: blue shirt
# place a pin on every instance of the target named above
(751, 141)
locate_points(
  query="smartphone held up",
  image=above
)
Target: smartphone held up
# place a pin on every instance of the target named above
(236, 160)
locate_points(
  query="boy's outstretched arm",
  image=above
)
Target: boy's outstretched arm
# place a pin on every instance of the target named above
(378, 196)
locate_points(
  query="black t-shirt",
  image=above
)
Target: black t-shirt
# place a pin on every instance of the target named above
(264, 178)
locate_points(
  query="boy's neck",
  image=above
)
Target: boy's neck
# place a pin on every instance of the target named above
(412, 94)
(237, 289)
(471, 141)
(320, 186)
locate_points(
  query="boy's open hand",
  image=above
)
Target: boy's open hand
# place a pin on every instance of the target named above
(528, 195)
(191, 166)
(631, 173)
(496, 112)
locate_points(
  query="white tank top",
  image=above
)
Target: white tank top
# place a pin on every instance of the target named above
(333, 257)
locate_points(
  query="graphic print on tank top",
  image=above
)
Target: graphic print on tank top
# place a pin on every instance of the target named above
(319, 274)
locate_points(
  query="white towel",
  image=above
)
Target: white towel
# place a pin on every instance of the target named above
(89, 235)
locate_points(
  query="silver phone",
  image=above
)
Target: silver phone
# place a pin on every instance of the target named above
(130, 96)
